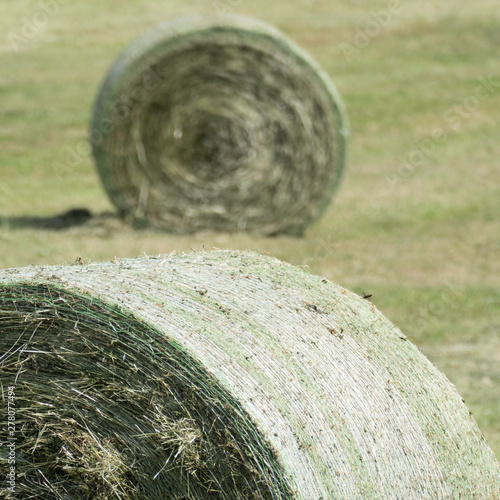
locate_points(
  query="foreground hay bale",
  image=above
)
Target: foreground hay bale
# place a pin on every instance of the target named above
(224, 375)
(219, 125)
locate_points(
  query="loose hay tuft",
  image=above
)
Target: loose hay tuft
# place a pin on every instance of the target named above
(219, 125)
(223, 375)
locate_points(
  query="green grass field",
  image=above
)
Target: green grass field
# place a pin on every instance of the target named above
(416, 221)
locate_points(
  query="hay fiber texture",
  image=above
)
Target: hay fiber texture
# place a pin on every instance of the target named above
(226, 125)
(224, 375)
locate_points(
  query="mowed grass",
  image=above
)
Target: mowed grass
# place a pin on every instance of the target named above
(416, 221)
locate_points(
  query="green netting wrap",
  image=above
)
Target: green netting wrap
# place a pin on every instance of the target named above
(224, 375)
(209, 124)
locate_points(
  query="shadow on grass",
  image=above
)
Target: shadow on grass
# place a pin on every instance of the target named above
(71, 218)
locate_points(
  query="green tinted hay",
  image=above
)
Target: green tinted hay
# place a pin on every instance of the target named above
(107, 409)
(224, 375)
(219, 125)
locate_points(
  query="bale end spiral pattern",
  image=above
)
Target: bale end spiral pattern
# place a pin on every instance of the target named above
(204, 124)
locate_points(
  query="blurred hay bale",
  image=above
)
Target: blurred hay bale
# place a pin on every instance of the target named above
(224, 375)
(220, 125)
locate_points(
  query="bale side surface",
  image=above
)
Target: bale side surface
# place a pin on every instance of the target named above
(219, 125)
(105, 408)
(226, 374)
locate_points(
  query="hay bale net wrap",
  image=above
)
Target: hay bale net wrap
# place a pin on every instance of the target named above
(225, 375)
(220, 125)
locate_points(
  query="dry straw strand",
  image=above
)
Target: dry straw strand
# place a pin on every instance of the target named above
(210, 124)
(224, 375)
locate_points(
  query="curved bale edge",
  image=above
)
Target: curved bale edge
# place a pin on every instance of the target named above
(225, 125)
(225, 375)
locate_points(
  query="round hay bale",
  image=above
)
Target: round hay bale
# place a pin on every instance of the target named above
(210, 124)
(224, 375)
